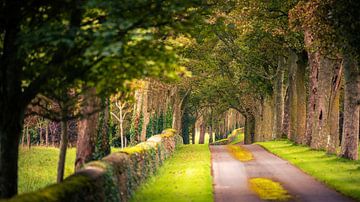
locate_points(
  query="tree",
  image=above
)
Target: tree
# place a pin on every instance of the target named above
(46, 44)
(123, 111)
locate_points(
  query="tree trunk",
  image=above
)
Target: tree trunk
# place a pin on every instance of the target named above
(279, 101)
(40, 135)
(23, 137)
(286, 120)
(103, 130)
(63, 148)
(47, 134)
(311, 106)
(211, 134)
(10, 131)
(249, 129)
(350, 137)
(193, 130)
(326, 116)
(87, 131)
(301, 98)
(313, 88)
(293, 97)
(28, 138)
(202, 133)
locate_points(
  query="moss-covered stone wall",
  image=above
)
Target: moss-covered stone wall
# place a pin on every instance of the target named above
(113, 178)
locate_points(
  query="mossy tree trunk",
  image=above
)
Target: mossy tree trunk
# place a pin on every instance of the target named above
(202, 132)
(279, 101)
(350, 137)
(301, 98)
(312, 88)
(326, 117)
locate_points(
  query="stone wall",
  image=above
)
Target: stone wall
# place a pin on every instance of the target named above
(115, 177)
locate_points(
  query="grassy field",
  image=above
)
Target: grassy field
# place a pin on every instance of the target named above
(184, 177)
(37, 167)
(338, 173)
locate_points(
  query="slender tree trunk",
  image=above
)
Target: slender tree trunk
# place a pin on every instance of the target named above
(63, 148)
(40, 135)
(28, 138)
(193, 130)
(211, 134)
(202, 133)
(47, 134)
(23, 137)
(350, 137)
(279, 101)
(286, 120)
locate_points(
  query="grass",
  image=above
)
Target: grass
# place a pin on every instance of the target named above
(240, 153)
(183, 177)
(38, 167)
(267, 189)
(338, 173)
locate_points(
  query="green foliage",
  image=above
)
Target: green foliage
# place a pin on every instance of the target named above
(160, 123)
(102, 146)
(149, 127)
(132, 132)
(324, 167)
(184, 177)
(141, 122)
(169, 117)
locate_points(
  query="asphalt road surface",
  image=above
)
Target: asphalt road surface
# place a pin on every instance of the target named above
(230, 177)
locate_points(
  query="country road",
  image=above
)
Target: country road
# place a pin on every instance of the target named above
(230, 177)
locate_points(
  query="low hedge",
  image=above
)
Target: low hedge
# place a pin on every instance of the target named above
(113, 178)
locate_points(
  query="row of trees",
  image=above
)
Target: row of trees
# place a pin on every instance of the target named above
(289, 67)
(64, 58)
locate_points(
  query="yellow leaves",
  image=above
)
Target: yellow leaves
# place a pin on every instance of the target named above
(267, 189)
(240, 153)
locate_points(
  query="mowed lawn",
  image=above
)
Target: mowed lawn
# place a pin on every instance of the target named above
(185, 176)
(38, 166)
(338, 173)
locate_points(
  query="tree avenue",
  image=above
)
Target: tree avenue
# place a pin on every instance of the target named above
(95, 74)
(52, 45)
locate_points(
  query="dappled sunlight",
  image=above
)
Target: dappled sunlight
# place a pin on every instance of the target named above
(267, 189)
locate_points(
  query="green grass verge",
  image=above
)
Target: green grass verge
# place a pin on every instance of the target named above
(338, 173)
(183, 177)
(38, 167)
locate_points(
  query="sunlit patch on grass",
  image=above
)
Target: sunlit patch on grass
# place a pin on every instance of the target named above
(267, 189)
(240, 153)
